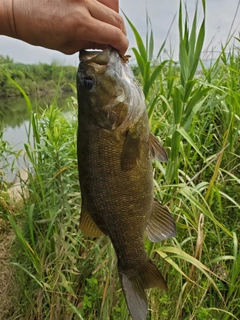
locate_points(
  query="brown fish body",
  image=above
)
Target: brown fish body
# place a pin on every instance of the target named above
(115, 172)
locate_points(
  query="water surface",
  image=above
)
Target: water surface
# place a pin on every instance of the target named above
(15, 119)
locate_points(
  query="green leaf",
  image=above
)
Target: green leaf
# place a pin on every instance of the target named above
(182, 255)
(151, 45)
(164, 42)
(177, 104)
(188, 89)
(27, 272)
(180, 21)
(146, 85)
(198, 49)
(230, 199)
(140, 61)
(32, 255)
(74, 309)
(190, 194)
(28, 103)
(154, 75)
(65, 283)
(173, 264)
(199, 95)
(192, 39)
(184, 62)
(186, 136)
(176, 138)
(141, 47)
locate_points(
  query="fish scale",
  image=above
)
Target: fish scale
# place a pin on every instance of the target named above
(115, 171)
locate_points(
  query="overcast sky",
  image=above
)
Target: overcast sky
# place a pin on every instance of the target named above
(219, 18)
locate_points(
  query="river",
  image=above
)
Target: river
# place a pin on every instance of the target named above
(15, 119)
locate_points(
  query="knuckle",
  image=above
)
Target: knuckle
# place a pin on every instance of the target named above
(117, 35)
(120, 41)
(119, 21)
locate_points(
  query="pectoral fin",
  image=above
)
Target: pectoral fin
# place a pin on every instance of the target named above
(160, 224)
(157, 151)
(88, 226)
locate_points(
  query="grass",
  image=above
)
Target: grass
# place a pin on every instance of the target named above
(195, 110)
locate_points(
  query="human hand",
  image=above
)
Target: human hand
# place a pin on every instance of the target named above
(66, 25)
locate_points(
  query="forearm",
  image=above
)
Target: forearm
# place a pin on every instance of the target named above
(7, 27)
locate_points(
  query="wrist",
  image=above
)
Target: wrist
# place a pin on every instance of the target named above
(7, 25)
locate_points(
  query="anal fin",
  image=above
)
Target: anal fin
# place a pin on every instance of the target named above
(160, 224)
(88, 226)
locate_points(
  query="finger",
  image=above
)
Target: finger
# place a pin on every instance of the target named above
(107, 15)
(109, 36)
(112, 4)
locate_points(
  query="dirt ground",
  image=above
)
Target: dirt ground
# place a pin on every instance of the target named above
(7, 290)
(6, 273)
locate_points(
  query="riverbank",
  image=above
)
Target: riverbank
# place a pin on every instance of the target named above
(35, 90)
(36, 79)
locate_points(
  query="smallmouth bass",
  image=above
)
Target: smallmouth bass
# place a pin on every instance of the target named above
(115, 150)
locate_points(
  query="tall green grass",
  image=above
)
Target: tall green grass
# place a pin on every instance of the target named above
(195, 112)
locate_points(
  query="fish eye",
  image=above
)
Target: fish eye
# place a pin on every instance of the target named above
(87, 83)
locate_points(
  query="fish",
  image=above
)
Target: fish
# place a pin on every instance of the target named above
(115, 150)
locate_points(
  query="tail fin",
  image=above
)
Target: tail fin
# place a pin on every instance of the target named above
(133, 288)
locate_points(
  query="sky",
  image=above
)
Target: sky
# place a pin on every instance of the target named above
(219, 19)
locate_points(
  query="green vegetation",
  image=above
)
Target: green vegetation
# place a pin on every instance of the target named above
(59, 274)
(36, 79)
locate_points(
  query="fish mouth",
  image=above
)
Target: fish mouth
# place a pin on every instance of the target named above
(100, 57)
(98, 61)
